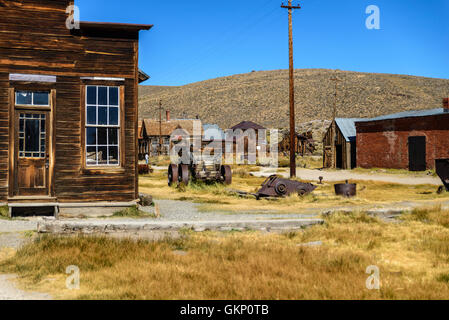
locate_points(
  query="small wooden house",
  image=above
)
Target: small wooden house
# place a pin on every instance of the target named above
(154, 131)
(247, 128)
(304, 143)
(339, 148)
(68, 109)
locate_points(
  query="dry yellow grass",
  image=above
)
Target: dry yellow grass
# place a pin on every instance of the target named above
(413, 258)
(216, 197)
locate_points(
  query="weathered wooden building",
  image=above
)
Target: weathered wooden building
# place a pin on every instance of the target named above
(410, 140)
(154, 131)
(252, 138)
(68, 109)
(304, 143)
(340, 148)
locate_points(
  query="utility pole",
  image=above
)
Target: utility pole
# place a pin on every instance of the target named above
(334, 116)
(160, 127)
(290, 8)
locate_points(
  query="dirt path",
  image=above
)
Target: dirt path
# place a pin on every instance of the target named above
(12, 236)
(313, 175)
(8, 291)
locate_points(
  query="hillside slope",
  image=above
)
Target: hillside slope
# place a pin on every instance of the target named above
(262, 97)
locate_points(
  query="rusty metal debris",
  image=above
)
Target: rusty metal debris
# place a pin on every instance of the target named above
(274, 188)
(278, 187)
(347, 189)
(442, 169)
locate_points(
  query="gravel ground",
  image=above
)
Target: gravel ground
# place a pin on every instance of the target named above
(18, 225)
(8, 291)
(12, 240)
(187, 211)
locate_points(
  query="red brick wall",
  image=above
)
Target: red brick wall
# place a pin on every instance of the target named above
(384, 144)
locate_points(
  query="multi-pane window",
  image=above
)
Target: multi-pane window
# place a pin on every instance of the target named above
(28, 98)
(32, 135)
(102, 126)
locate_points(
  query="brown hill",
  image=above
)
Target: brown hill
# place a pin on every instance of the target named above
(262, 97)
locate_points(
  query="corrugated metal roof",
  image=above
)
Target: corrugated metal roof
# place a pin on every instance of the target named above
(408, 114)
(347, 127)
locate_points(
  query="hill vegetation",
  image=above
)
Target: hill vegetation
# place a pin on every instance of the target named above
(262, 97)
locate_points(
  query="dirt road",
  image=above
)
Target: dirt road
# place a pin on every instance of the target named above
(313, 175)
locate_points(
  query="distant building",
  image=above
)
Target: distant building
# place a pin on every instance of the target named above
(341, 152)
(304, 143)
(153, 131)
(410, 140)
(249, 139)
(212, 132)
(406, 140)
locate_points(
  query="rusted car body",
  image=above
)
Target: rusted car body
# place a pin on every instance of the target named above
(278, 187)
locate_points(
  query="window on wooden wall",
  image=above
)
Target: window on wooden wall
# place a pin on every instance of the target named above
(28, 98)
(102, 123)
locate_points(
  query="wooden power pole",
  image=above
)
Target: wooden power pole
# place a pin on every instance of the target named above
(334, 116)
(290, 8)
(160, 127)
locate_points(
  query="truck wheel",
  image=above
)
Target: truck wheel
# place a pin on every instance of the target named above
(173, 175)
(184, 175)
(302, 192)
(281, 189)
(226, 173)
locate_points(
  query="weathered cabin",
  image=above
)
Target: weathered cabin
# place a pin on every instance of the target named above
(340, 148)
(251, 137)
(68, 110)
(154, 131)
(410, 140)
(304, 143)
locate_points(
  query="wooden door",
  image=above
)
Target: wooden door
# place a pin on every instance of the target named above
(32, 153)
(417, 153)
(339, 155)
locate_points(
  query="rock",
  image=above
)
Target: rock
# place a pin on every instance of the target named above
(145, 200)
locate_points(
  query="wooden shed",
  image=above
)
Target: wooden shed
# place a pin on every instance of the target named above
(340, 149)
(154, 132)
(68, 110)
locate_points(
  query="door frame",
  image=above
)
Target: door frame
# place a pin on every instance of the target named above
(410, 159)
(13, 143)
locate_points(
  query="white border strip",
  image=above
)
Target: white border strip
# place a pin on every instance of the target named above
(31, 78)
(102, 79)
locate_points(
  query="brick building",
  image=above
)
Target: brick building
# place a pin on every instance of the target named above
(407, 140)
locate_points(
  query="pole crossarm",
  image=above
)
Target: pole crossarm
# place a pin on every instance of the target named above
(290, 7)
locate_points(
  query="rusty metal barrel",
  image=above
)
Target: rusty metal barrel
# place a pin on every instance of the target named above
(347, 189)
(442, 169)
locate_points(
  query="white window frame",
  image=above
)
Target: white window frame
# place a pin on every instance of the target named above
(97, 126)
(32, 98)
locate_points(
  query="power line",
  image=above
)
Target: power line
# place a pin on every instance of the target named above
(229, 37)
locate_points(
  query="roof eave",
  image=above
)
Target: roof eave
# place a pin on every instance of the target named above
(115, 26)
(143, 76)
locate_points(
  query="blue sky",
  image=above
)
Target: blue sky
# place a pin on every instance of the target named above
(199, 40)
